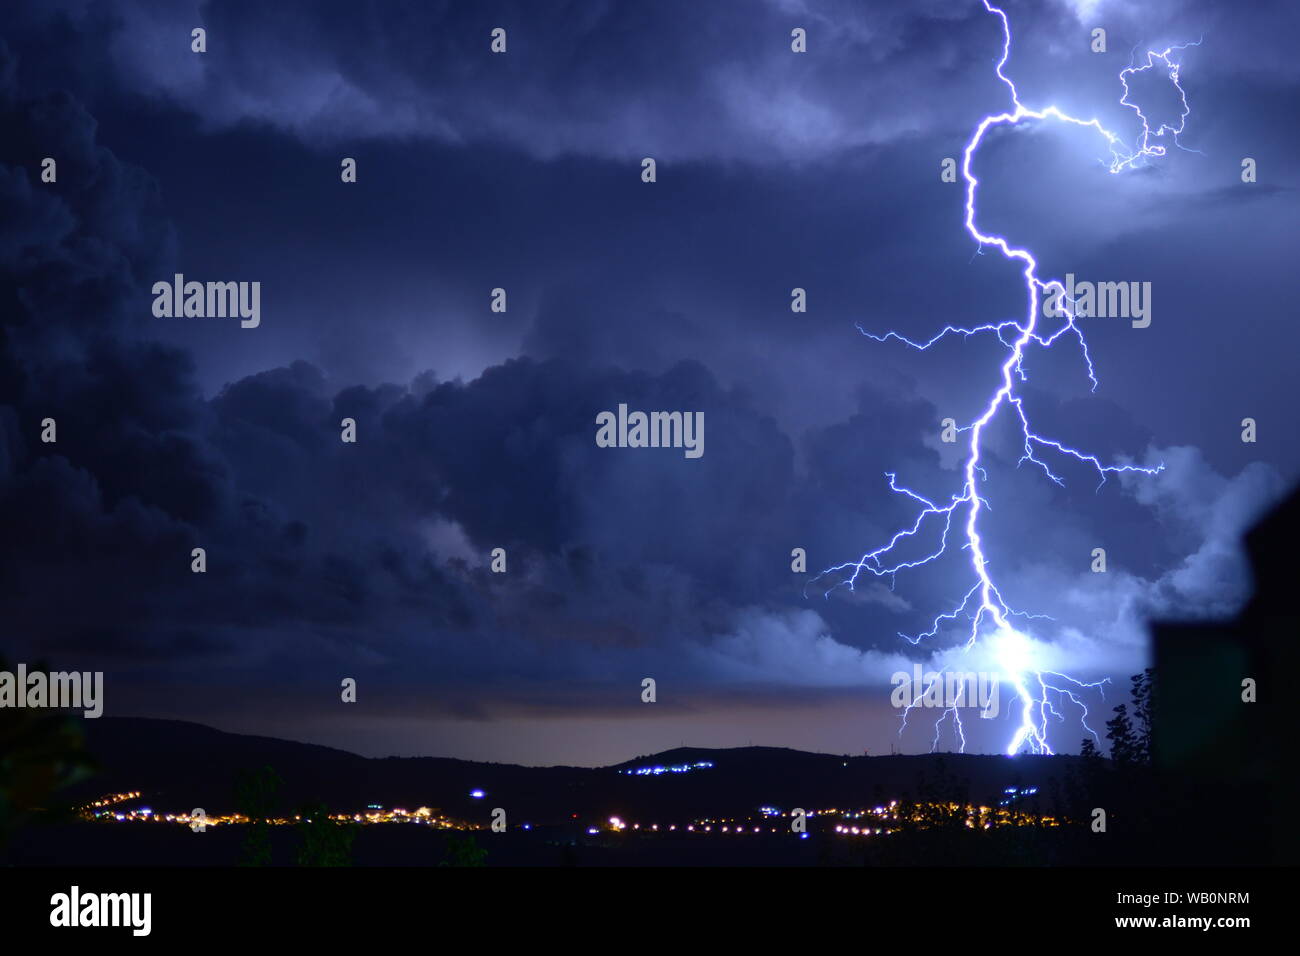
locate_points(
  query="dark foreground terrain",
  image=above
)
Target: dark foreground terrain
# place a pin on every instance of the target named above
(687, 814)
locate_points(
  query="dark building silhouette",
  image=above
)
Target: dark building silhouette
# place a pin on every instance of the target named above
(1203, 732)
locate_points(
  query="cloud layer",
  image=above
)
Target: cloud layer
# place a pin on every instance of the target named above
(370, 560)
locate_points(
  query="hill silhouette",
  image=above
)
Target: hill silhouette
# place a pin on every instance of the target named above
(179, 765)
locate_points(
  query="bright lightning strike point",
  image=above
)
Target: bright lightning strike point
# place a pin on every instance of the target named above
(1037, 691)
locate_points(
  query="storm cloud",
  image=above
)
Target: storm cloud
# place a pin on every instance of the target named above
(476, 430)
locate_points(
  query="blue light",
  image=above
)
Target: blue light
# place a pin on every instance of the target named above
(679, 768)
(477, 794)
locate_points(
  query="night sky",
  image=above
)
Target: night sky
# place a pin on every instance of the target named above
(476, 429)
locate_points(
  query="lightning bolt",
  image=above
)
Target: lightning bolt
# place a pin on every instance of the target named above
(1037, 692)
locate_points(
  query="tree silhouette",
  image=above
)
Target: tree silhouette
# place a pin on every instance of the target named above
(1119, 731)
(464, 851)
(41, 752)
(256, 793)
(1143, 685)
(325, 842)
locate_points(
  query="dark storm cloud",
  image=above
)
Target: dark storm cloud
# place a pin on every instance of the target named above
(145, 469)
(683, 82)
(477, 430)
(629, 79)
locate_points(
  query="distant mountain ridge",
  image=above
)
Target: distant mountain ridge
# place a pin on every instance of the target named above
(180, 765)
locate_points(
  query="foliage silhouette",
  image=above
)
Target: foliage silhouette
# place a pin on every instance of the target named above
(41, 752)
(256, 794)
(325, 842)
(464, 851)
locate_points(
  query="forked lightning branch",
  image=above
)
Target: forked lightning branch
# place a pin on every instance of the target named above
(1038, 695)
